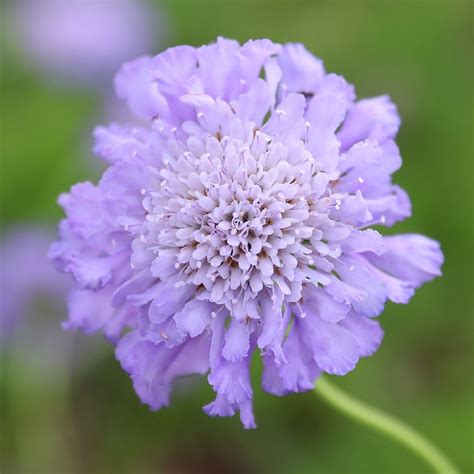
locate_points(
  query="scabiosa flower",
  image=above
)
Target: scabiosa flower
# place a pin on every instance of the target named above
(25, 275)
(238, 218)
(82, 40)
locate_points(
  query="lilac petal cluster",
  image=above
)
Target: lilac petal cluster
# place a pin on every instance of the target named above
(25, 275)
(237, 216)
(82, 40)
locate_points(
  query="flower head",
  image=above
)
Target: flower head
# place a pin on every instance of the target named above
(81, 40)
(238, 218)
(25, 276)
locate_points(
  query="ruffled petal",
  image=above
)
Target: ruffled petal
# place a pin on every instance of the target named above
(334, 348)
(222, 407)
(254, 104)
(320, 302)
(236, 341)
(355, 273)
(153, 367)
(301, 71)
(375, 118)
(297, 373)
(194, 317)
(134, 83)
(367, 331)
(413, 258)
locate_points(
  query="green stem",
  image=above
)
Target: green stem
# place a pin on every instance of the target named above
(385, 424)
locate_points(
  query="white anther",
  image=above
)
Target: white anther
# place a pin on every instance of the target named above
(213, 314)
(200, 115)
(307, 124)
(280, 112)
(352, 268)
(360, 180)
(142, 191)
(383, 220)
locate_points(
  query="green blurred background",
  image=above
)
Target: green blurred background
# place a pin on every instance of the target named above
(79, 413)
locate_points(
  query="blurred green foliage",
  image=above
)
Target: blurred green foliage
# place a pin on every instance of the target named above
(88, 419)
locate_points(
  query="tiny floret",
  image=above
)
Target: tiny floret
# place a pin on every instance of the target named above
(238, 218)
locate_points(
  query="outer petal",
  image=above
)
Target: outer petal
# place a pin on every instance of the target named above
(172, 68)
(375, 118)
(335, 350)
(301, 71)
(287, 118)
(354, 272)
(153, 367)
(91, 311)
(134, 83)
(236, 341)
(327, 109)
(194, 317)
(320, 302)
(84, 205)
(410, 257)
(367, 331)
(222, 407)
(116, 142)
(273, 330)
(232, 380)
(254, 104)
(368, 240)
(299, 371)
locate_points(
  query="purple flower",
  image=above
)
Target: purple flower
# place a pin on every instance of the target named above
(83, 40)
(238, 217)
(25, 275)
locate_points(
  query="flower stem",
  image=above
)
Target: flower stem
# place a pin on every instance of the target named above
(385, 424)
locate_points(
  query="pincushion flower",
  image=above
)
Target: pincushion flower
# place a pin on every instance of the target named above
(237, 217)
(26, 276)
(82, 40)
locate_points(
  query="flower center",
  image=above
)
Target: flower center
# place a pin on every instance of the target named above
(234, 214)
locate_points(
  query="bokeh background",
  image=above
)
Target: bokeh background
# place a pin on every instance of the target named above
(66, 406)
